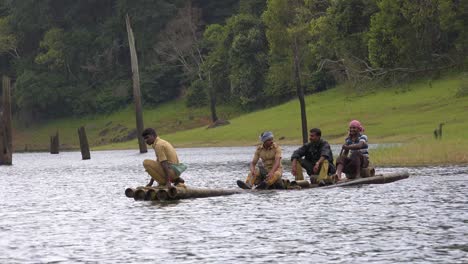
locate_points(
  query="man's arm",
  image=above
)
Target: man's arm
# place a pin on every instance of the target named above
(317, 164)
(275, 167)
(253, 163)
(297, 154)
(357, 146)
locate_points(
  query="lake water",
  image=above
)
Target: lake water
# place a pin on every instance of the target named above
(61, 209)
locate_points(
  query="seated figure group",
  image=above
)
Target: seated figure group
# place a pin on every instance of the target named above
(315, 157)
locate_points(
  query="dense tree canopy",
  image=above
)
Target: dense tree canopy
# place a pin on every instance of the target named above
(71, 57)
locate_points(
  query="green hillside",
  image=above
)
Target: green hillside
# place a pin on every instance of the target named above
(399, 114)
(408, 114)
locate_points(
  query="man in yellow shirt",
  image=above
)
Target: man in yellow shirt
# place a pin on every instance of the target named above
(268, 175)
(166, 168)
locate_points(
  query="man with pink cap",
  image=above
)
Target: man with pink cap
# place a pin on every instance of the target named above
(356, 142)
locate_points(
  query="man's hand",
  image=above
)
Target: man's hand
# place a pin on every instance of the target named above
(316, 168)
(269, 175)
(294, 168)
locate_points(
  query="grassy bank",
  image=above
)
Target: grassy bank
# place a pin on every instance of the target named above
(423, 153)
(104, 131)
(408, 113)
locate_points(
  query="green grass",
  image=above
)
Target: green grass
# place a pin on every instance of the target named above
(389, 115)
(408, 113)
(102, 130)
(421, 153)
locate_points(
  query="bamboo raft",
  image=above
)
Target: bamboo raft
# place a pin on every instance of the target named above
(177, 193)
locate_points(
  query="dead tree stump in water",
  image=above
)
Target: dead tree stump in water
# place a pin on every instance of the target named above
(6, 140)
(136, 86)
(84, 146)
(54, 144)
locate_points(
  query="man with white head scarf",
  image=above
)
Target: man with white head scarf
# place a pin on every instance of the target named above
(268, 176)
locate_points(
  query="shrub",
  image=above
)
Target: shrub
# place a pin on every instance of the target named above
(196, 95)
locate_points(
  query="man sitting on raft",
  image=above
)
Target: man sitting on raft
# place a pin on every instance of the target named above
(316, 157)
(269, 176)
(166, 168)
(359, 159)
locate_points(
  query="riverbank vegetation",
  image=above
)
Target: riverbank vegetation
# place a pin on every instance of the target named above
(406, 114)
(395, 65)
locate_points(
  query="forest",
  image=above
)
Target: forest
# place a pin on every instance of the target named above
(71, 58)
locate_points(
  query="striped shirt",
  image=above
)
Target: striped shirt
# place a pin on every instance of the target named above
(360, 138)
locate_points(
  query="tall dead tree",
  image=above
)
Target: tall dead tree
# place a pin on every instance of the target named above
(179, 43)
(300, 90)
(136, 86)
(6, 139)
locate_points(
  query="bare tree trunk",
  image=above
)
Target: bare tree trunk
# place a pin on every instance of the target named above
(6, 140)
(212, 94)
(84, 146)
(136, 86)
(54, 144)
(300, 92)
(3, 143)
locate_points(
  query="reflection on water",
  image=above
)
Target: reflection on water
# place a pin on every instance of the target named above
(58, 208)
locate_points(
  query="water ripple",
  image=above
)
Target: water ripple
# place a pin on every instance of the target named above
(60, 209)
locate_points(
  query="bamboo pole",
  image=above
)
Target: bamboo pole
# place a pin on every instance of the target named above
(162, 195)
(6, 144)
(378, 179)
(301, 183)
(130, 192)
(139, 194)
(150, 194)
(84, 146)
(186, 193)
(136, 86)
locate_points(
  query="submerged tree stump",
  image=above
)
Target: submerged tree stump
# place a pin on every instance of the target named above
(84, 146)
(54, 144)
(6, 139)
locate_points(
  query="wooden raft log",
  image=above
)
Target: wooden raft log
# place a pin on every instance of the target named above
(143, 193)
(176, 193)
(378, 179)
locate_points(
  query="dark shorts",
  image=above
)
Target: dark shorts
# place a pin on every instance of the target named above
(352, 165)
(309, 167)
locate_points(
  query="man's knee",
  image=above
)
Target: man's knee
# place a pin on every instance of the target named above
(276, 178)
(148, 163)
(308, 166)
